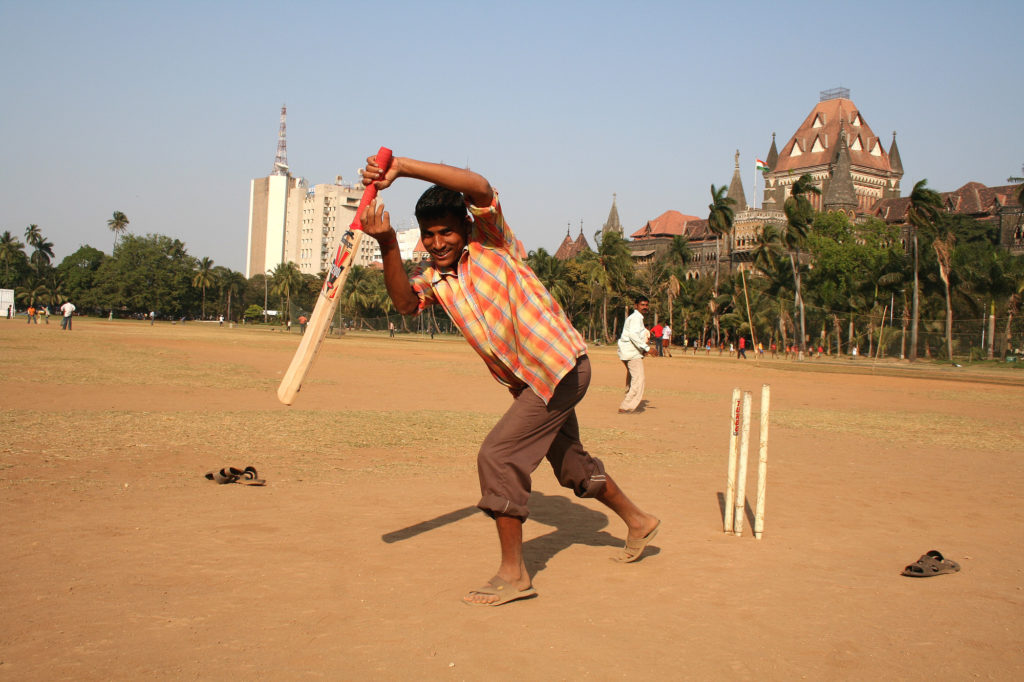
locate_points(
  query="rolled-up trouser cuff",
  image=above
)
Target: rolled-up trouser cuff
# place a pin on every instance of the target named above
(529, 432)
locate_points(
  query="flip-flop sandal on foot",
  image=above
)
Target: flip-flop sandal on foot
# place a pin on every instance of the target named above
(634, 548)
(932, 563)
(503, 590)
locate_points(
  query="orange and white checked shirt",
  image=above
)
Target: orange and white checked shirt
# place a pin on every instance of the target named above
(502, 309)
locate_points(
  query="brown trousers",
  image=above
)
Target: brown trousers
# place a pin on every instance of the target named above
(529, 432)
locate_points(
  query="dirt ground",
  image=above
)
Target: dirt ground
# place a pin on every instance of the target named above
(121, 562)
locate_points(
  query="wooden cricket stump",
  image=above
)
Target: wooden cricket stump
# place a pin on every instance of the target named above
(739, 448)
(735, 417)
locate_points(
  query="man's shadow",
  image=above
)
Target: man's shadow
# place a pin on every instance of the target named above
(573, 523)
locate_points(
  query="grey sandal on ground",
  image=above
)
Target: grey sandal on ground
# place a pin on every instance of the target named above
(247, 476)
(932, 563)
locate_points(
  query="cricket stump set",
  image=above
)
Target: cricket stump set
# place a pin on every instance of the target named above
(739, 442)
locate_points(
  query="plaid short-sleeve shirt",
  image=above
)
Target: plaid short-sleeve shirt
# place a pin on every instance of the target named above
(502, 309)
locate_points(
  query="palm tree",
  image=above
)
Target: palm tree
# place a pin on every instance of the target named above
(924, 208)
(943, 244)
(203, 278)
(33, 234)
(10, 247)
(118, 224)
(720, 217)
(233, 284)
(799, 214)
(608, 272)
(551, 273)
(679, 250)
(286, 278)
(42, 252)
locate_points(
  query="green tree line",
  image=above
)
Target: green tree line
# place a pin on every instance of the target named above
(819, 280)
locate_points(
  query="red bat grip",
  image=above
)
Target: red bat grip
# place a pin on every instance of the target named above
(383, 160)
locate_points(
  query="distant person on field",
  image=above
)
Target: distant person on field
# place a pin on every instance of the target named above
(632, 349)
(666, 340)
(30, 314)
(656, 334)
(742, 352)
(67, 310)
(152, 317)
(302, 324)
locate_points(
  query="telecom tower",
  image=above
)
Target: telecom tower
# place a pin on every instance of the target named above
(281, 160)
(268, 210)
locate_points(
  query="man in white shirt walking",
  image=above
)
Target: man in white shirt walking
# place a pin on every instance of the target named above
(632, 349)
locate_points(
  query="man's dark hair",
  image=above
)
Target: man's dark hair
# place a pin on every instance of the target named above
(641, 299)
(438, 203)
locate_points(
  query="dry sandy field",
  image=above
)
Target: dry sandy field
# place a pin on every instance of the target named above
(120, 561)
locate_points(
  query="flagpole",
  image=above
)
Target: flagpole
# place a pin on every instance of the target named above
(755, 182)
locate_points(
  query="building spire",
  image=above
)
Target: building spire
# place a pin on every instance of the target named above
(840, 193)
(612, 224)
(736, 188)
(281, 160)
(895, 162)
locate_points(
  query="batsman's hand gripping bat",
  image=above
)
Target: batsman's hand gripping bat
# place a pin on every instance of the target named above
(330, 295)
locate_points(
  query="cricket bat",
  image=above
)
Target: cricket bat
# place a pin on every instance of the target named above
(330, 295)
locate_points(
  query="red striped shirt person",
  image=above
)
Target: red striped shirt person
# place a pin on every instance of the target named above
(477, 274)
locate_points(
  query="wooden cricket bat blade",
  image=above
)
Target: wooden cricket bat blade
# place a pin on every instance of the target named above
(319, 323)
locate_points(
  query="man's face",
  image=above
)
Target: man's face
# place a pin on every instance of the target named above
(444, 239)
(642, 306)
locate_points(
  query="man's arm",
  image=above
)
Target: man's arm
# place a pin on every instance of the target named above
(473, 185)
(377, 223)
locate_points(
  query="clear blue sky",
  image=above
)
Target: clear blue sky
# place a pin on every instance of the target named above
(165, 111)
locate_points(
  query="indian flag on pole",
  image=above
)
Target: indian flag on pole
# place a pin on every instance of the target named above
(761, 165)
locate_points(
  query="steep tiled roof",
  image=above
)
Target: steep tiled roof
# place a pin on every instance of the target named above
(815, 139)
(567, 249)
(973, 198)
(668, 224)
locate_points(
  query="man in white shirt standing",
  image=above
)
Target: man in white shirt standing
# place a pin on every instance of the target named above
(68, 308)
(632, 349)
(666, 340)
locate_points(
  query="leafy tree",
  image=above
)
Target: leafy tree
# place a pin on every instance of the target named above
(924, 208)
(204, 277)
(147, 273)
(118, 224)
(79, 276)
